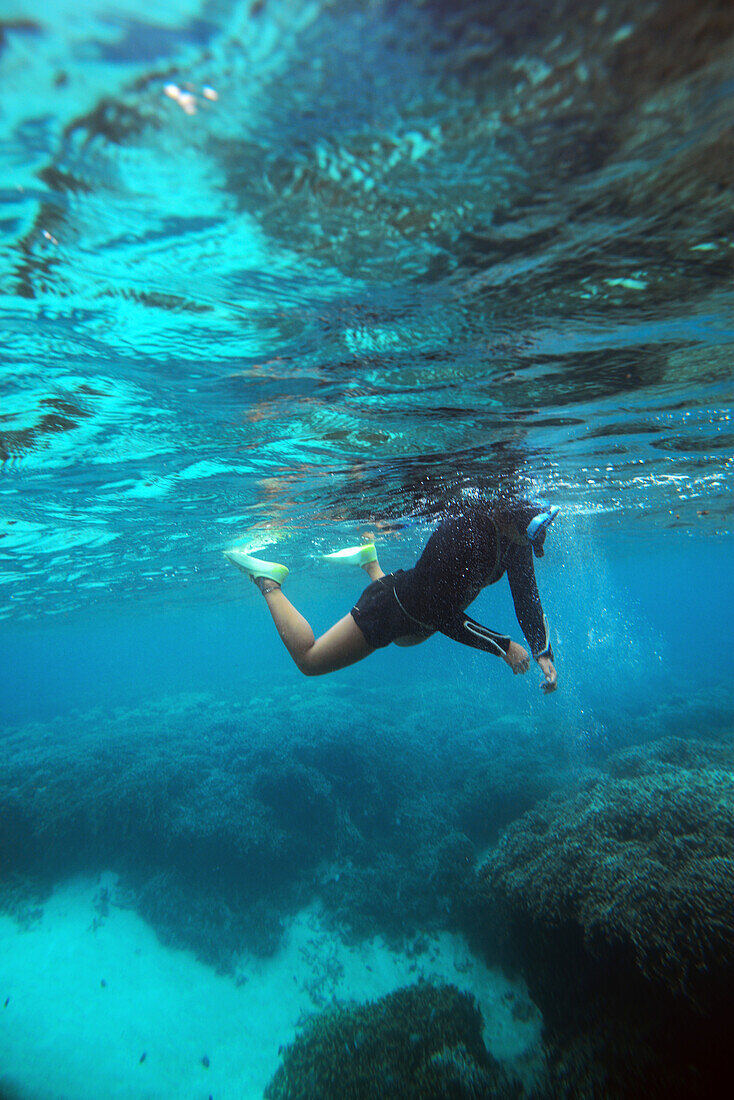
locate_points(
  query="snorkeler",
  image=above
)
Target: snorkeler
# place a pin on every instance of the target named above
(467, 552)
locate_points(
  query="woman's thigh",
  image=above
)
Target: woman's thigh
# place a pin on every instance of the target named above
(343, 644)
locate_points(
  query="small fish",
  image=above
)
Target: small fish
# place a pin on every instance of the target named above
(143, 1056)
(205, 1062)
(7, 1002)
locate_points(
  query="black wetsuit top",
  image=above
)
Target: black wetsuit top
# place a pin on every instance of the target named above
(462, 556)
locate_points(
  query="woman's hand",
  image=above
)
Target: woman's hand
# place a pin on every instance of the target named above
(551, 676)
(517, 658)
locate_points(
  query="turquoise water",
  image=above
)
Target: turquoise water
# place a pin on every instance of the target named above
(293, 272)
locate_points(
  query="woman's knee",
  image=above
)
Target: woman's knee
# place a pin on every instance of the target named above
(340, 646)
(308, 664)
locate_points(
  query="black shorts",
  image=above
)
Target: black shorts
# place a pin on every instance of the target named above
(380, 617)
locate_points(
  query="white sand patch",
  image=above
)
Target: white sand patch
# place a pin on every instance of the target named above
(88, 996)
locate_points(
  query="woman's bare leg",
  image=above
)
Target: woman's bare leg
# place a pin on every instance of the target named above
(341, 645)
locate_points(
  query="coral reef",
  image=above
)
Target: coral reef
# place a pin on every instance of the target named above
(423, 1042)
(641, 859)
(221, 818)
(616, 899)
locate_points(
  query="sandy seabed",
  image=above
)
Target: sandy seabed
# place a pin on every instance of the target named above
(96, 1008)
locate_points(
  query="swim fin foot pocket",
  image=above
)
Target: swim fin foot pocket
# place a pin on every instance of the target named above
(257, 567)
(354, 555)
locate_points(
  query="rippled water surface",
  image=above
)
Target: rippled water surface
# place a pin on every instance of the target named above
(295, 264)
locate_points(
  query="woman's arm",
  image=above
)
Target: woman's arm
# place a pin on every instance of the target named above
(469, 632)
(529, 611)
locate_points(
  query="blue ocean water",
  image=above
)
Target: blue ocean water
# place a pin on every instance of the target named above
(292, 272)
